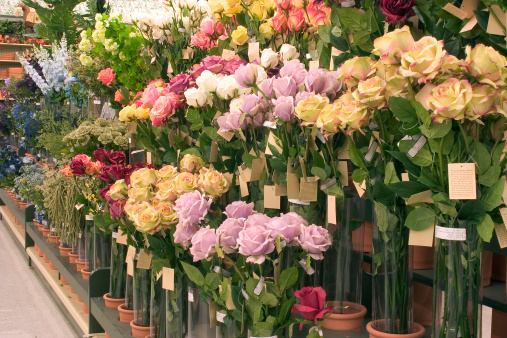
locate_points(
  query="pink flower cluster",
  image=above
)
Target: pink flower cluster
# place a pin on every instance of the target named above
(161, 100)
(293, 17)
(253, 235)
(80, 165)
(106, 76)
(210, 31)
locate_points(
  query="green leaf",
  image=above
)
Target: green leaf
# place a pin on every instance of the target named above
(253, 308)
(321, 173)
(390, 176)
(193, 116)
(268, 299)
(485, 228)
(193, 274)
(402, 109)
(447, 209)
(353, 19)
(422, 113)
(493, 195)
(472, 211)
(359, 175)
(212, 281)
(356, 156)
(481, 156)
(407, 189)
(288, 278)
(437, 130)
(385, 220)
(383, 194)
(193, 151)
(490, 176)
(420, 219)
(407, 163)
(324, 32)
(170, 156)
(285, 309)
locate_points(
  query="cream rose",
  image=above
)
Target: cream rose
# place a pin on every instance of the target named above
(424, 59)
(118, 190)
(353, 115)
(165, 191)
(185, 182)
(354, 70)
(139, 194)
(191, 163)
(392, 45)
(484, 101)
(308, 109)
(127, 113)
(167, 172)
(143, 177)
(450, 100)
(328, 121)
(371, 93)
(213, 183)
(147, 219)
(168, 216)
(486, 64)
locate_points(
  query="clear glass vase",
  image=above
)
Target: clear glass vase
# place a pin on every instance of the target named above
(142, 294)
(392, 310)
(457, 290)
(129, 292)
(101, 252)
(118, 271)
(199, 322)
(168, 309)
(84, 247)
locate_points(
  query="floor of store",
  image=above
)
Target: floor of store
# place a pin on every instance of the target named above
(26, 307)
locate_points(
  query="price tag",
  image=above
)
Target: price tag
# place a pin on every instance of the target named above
(89, 217)
(462, 185)
(191, 296)
(451, 234)
(114, 235)
(220, 317)
(168, 280)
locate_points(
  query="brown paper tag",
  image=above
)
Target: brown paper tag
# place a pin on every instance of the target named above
(229, 303)
(503, 213)
(271, 201)
(405, 177)
(130, 267)
(253, 51)
(422, 197)
(423, 94)
(228, 54)
(344, 173)
(169, 70)
(144, 260)
(313, 64)
(308, 189)
(343, 152)
(501, 234)
(493, 26)
(359, 189)
(227, 135)
(272, 139)
(131, 253)
(423, 237)
(470, 25)
(148, 158)
(469, 6)
(331, 209)
(455, 11)
(504, 195)
(281, 189)
(243, 187)
(292, 186)
(213, 152)
(462, 185)
(122, 237)
(228, 177)
(168, 279)
(171, 138)
(334, 52)
(257, 169)
(212, 314)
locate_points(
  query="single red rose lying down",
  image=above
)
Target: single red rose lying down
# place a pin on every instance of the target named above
(312, 302)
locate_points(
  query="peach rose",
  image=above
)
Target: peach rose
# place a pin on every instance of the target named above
(308, 109)
(165, 191)
(450, 100)
(424, 59)
(168, 216)
(139, 194)
(354, 70)
(484, 101)
(143, 177)
(185, 182)
(353, 115)
(106, 76)
(167, 172)
(318, 14)
(371, 93)
(213, 183)
(328, 121)
(191, 163)
(147, 219)
(486, 64)
(118, 190)
(392, 45)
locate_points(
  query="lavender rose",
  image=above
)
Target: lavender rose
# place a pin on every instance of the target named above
(183, 234)
(192, 207)
(255, 242)
(203, 244)
(288, 228)
(295, 69)
(285, 86)
(246, 75)
(228, 232)
(314, 240)
(257, 220)
(284, 108)
(231, 121)
(239, 209)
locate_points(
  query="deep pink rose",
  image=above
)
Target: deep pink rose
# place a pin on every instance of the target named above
(116, 209)
(227, 234)
(311, 303)
(106, 76)
(111, 173)
(239, 209)
(201, 40)
(286, 226)
(150, 96)
(101, 155)
(314, 240)
(203, 244)
(184, 232)
(255, 242)
(117, 157)
(396, 11)
(77, 167)
(179, 83)
(192, 207)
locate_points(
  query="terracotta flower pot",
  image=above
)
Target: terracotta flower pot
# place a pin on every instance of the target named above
(85, 274)
(85, 309)
(367, 232)
(422, 257)
(23, 205)
(36, 247)
(416, 331)
(45, 258)
(126, 316)
(64, 251)
(40, 227)
(51, 266)
(53, 239)
(499, 267)
(45, 232)
(80, 265)
(79, 299)
(72, 290)
(498, 324)
(107, 336)
(63, 281)
(39, 252)
(113, 303)
(73, 257)
(486, 268)
(139, 331)
(423, 304)
(351, 320)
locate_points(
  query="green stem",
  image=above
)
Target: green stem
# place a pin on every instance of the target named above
(441, 163)
(243, 279)
(460, 125)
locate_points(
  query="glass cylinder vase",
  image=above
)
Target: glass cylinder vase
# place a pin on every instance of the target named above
(118, 270)
(199, 322)
(142, 294)
(457, 290)
(101, 253)
(168, 309)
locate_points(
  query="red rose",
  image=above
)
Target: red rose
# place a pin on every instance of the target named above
(101, 155)
(116, 209)
(311, 303)
(396, 11)
(111, 173)
(77, 167)
(103, 193)
(118, 157)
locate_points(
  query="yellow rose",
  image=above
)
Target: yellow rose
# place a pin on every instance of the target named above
(168, 216)
(450, 99)
(165, 191)
(127, 113)
(266, 30)
(118, 190)
(139, 194)
(501, 104)
(328, 121)
(423, 60)
(143, 177)
(487, 65)
(213, 183)
(147, 219)
(484, 101)
(353, 115)
(167, 172)
(129, 206)
(216, 6)
(268, 4)
(142, 113)
(451, 67)
(240, 36)
(308, 110)
(259, 10)
(371, 93)
(392, 45)
(191, 163)
(185, 182)
(354, 70)
(396, 84)
(231, 7)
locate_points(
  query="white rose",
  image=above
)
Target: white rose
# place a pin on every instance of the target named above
(196, 97)
(288, 52)
(186, 23)
(84, 34)
(157, 33)
(269, 58)
(244, 91)
(261, 75)
(98, 17)
(202, 7)
(207, 81)
(227, 87)
(235, 104)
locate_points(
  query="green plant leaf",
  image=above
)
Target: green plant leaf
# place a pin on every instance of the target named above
(402, 109)
(420, 219)
(288, 278)
(493, 195)
(485, 228)
(422, 113)
(193, 274)
(383, 194)
(356, 156)
(472, 211)
(212, 281)
(481, 156)
(390, 175)
(321, 173)
(491, 176)
(285, 309)
(407, 189)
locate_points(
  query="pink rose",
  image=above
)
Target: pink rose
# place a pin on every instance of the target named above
(192, 207)
(283, 4)
(296, 20)
(179, 83)
(239, 209)
(106, 76)
(231, 121)
(210, 27)
(150, 96)
(288, 228)
(118, 96)
(285, 86)
(257, 220)
(318, 15)
(279, 22)
(314, 240)
(312, 302)
(284, 108)
(246, 75)
(201, 40)
(184, 232)
(255, 242)
(228, 233)
(203, 244)
(295, 69)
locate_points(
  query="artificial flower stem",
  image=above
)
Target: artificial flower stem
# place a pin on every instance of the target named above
(464, 137)
(236, 268)
(441, 163)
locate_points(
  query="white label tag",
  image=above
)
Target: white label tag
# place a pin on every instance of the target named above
(220, 317)
(115, 235)
(369, 155)
(451, 234)
(96, 101)
(270, 124)
(258, 289)
(37, 104)
(296, 201)
(417, 147)
(89, 217)
(191, 297)
(310, 270)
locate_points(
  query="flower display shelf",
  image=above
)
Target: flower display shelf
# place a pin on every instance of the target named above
(6, 48)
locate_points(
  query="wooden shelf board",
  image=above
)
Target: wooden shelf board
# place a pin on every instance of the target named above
(18, 213)
(18, 232)
(68, 299)
(109, 319)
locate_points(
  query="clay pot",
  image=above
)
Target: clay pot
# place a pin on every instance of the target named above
(73, 257)
(79, 299)
(72, 290)
(39, 252)
(85, 274)
(23, 205)
(63, 281)
(51, 266)
(499, 270)
(498, 324)
(45, 232)
(367, 232)
(486, 268)
(64, 251)
(423, 304)
(422, 257)
(45, 258)
(40, 227)
(80, 265)
(416, 331)
(126, 316)
(107, 336)
(139, 331)
(85, 309)
(113, 303)
(351, 320)
(36, 247)
(53, 239)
